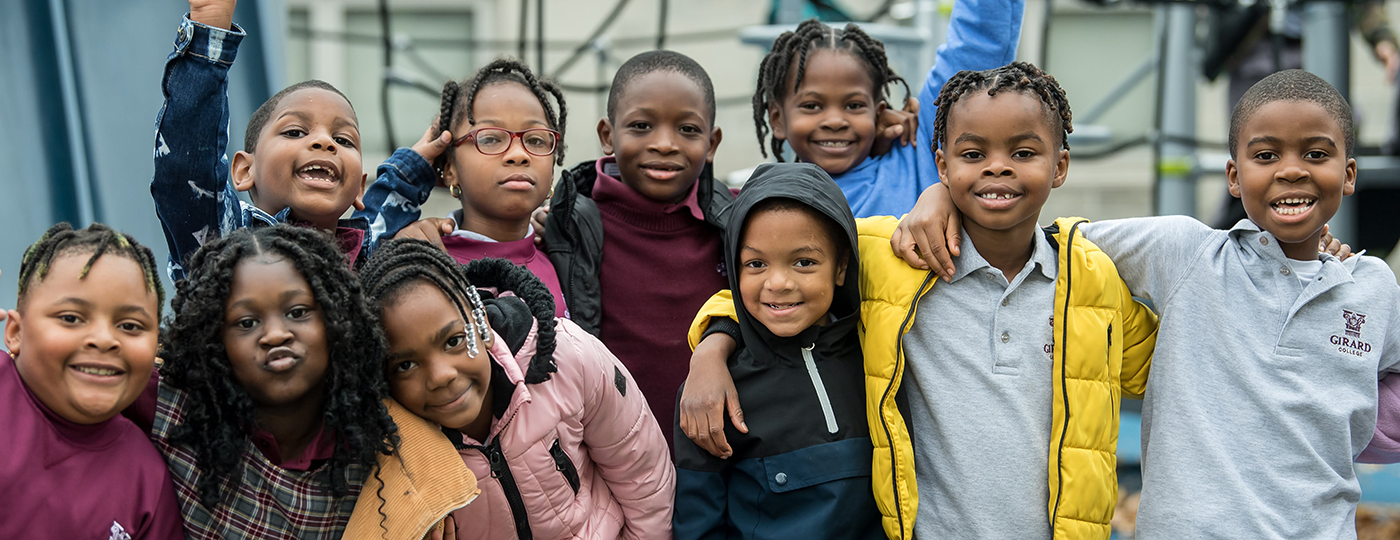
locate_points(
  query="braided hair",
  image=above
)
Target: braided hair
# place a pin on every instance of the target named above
(1021, 77)
(219, 408)
(790, 51)
(459, 98)
(399, 263)
(97, 239)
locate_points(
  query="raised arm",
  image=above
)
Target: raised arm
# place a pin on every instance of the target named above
(402, 183)
(192, 194)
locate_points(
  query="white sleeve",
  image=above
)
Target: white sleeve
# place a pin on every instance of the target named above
(1152, 253)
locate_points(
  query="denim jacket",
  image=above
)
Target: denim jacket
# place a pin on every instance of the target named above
(193, 196)
(402, 183)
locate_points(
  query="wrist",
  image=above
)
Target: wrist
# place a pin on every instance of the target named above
(213, 18)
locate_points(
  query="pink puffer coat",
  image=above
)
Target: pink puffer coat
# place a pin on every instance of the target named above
(580, 453)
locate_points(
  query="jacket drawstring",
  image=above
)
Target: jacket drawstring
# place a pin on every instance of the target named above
(821, 388)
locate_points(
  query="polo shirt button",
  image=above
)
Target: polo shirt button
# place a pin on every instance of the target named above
(1263, 240)
(780, 478)
(1006, 301)
(1005, 337)
(1284, 271)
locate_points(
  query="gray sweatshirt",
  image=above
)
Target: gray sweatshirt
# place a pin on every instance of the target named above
(1263, 387)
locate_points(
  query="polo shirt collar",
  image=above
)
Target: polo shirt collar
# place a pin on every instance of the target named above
(1043, 256)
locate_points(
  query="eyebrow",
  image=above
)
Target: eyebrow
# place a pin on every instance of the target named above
(75, 300)
(1263, 140)
(123, 310)
(447, 329)
(497, 123)
(1027, 136)
(654, 112)
(970, 137)
(849, 95)
(339, 120)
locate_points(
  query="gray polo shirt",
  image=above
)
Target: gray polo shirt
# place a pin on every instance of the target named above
(1263, 387)
(979, 374)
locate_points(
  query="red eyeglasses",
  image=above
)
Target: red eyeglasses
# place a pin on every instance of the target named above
(494, 141)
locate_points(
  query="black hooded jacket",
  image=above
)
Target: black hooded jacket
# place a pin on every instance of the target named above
(813, 480)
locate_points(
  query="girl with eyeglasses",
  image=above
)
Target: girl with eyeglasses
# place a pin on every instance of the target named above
(494, 145)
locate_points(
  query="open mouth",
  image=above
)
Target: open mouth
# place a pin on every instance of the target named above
(782, 309)
(998, 196)
(834, 145)
(99, 371)
(319, 171)
(1293, 206)
(661, 170)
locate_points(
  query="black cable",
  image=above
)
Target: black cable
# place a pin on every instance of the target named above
(388, 72)
(524, 27)
(582, 48)
(539, 36)
(661, 25)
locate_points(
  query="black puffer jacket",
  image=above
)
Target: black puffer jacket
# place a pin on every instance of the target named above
(574, 236)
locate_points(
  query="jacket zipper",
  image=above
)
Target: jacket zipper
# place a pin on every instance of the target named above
(500, 470)
(1063, 348)
(889, 393)
(821, 388)
(564, 465)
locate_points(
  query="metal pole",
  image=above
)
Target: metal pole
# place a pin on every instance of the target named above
(1327, 54)
(72, 115)
(1176, 167)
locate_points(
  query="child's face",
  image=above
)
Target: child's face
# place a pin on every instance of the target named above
(429, 371)
(830, 120)
(662, 136)
(507, 186)
(1001, 159)
(1292, 172)
(275, 334)
(307, 158)
(86, 347)
(789, 270)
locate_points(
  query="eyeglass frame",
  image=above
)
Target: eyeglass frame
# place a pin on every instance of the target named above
(513, 136)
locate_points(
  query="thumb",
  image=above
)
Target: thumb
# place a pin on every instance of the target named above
(736, 413)
(447, 226)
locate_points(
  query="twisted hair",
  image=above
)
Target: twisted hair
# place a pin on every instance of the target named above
(790, 52)
(219, 409)
(264, 111)
(399, 263)
(98, 239)
(459, 98)
(1021, 77)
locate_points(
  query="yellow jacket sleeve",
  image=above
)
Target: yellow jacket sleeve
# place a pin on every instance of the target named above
(1139, 340)
(718, 306)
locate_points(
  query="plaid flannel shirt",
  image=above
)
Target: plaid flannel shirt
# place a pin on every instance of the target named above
(260, 500)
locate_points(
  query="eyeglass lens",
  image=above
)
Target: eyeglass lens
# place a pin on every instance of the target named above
(496, 141)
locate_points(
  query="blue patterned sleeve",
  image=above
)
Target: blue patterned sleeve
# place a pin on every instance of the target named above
(403, 182)
(191, 190)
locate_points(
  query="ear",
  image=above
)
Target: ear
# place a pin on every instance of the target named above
(1061, 169)
(241, 171)
(880, 109)
(12, 325)
(715, 136)
(360, 198)
(605, 132)
(1349, 185)
(1232, 178)
(941, 162)
(776, 122)
(841, 270)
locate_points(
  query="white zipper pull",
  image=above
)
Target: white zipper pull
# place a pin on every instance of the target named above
(821, 388)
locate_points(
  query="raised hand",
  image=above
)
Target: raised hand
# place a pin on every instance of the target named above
(215, 13)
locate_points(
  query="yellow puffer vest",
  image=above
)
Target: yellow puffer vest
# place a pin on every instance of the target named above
(1103, 348)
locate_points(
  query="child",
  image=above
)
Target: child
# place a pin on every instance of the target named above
(1250, 428)
(1021, 357)
(821, 89)
(498, 181)
(83, 337)
(300, 164)
(270, 412)
(791, 241)
(553, 425)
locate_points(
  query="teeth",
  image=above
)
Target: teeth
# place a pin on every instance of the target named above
(833, 143)
(1293, 206)
(996, 196)
(105, 372)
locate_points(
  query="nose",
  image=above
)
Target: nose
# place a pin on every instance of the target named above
(834, 120)
(663, 142)
(1292, 170)
(440, 373)
(102, 339)
(997, 167)
(515, 152)
(322, 140)
(779, 280)
(275, 333)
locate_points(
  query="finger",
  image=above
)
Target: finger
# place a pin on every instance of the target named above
(736, 413)
(893, 132)
(903, 244)
(911, 124)
(928, 252)
(446, 226)
(1344, 252)
(714, 418)
(953, 232)
(449, 528)
(912, 106)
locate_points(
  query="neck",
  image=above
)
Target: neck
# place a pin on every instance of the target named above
(293, 426)
(1006, 250)
(480, 427)
(1301, 251)
(500, 230)
(328, 224)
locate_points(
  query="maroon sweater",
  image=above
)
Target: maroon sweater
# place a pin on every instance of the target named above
(660, 263)
(64, 480)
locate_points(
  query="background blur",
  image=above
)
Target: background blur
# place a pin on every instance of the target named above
(80, 88)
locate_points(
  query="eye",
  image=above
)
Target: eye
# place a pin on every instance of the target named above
(639, 126)
(403, 367)
(805, 263)
(345, 141)
(757, 265)
(299, 312)
(69, 318)
(809, 106)
(1315, 155)
(488, 139)
(690, 130)
(1265, 155)
(454, 342)
(856, 106)
(294, 133)
(1023, 154)
(132, 327)
(246, 324)
(972, 155)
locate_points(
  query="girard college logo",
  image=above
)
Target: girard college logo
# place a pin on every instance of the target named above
(1351, 342)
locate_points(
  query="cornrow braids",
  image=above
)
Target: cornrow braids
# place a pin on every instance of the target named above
(459, 98)
(1021, 77)
(790, 51)
(399, 263)
(98, 239)
(219, 409)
